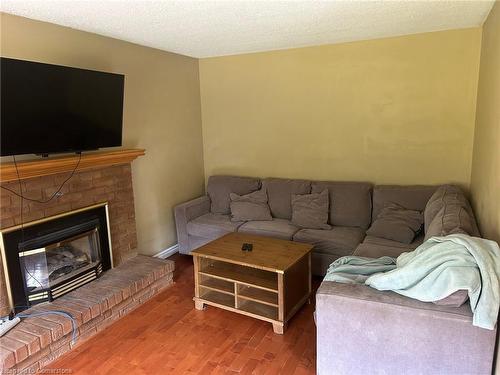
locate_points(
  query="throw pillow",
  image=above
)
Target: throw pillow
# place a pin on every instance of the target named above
(397, 223)
(311, 210)
(251, 206)
(456, 299)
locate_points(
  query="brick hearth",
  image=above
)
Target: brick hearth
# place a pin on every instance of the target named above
(109, 184)
(37, 341)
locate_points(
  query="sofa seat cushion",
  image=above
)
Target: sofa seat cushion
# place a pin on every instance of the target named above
(277, 228)
(336, 241)
(212, 226)
(375, 247)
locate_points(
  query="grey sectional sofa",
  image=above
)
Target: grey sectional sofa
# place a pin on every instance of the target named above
(359, 330)
(352, 206)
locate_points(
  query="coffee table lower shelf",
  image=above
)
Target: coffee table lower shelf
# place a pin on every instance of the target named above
(262, 312)
(270, 296)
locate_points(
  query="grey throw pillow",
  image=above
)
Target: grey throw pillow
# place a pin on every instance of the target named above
(311, 210)
(397, 223)
(251, 206)
(456, 299)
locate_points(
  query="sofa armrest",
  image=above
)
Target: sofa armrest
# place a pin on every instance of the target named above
(363, 330)
(184, 213)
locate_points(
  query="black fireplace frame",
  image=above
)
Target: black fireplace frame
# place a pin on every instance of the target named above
(18, 239)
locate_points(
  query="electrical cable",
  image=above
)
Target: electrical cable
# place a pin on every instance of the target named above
(54, 312)
(21, 213)
(22, 197)
(20, 194)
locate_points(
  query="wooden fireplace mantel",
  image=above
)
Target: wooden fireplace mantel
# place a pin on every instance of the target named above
(50, 166)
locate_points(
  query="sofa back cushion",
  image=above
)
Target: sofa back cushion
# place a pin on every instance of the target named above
(452, 218)
(411, 197)
(445, 195)
(441, 196)
(350, 202)
(279, 194)
(219, 188)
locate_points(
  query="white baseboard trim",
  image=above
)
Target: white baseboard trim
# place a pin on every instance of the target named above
(167, 252)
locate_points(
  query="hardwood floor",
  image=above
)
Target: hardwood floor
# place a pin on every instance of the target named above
(168, 336)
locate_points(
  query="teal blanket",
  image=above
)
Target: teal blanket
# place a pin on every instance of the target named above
(433, 271)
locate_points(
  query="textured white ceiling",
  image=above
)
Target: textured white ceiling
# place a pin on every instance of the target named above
(215, 28)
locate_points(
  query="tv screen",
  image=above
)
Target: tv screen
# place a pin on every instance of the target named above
(50, 108)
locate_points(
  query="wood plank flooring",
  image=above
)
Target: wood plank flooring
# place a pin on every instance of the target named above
(167, 335)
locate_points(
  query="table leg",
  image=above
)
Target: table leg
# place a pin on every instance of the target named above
(198, 305)
(278, 328)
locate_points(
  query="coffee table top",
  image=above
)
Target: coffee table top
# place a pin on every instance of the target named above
(268, 254)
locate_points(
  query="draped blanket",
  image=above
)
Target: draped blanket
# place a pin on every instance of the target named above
(433, 271)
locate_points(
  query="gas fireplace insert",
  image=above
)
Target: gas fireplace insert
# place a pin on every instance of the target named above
(45, 259)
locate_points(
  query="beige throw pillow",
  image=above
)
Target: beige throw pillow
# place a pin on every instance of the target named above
(249, 207)
(311, 210)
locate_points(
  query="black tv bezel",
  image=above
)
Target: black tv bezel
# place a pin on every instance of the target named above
(63, 150)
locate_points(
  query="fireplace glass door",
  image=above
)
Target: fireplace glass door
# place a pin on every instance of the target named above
(46, 259)
(46, 267)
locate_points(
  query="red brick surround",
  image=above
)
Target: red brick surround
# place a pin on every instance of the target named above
(109, 184)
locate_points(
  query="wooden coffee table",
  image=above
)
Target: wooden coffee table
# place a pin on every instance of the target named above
(270, 283)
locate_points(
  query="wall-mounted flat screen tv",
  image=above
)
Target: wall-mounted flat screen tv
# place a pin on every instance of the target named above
(53, 109)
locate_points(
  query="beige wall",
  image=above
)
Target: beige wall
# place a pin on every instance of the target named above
(485, 178)
(397, 110)
(161, 113)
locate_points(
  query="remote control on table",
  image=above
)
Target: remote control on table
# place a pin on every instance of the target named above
(247, 247)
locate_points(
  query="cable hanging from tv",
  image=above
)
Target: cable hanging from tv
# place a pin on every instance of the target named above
(56, 193)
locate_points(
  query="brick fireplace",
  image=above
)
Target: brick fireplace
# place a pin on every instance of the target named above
(100, 178)
(112, 184)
